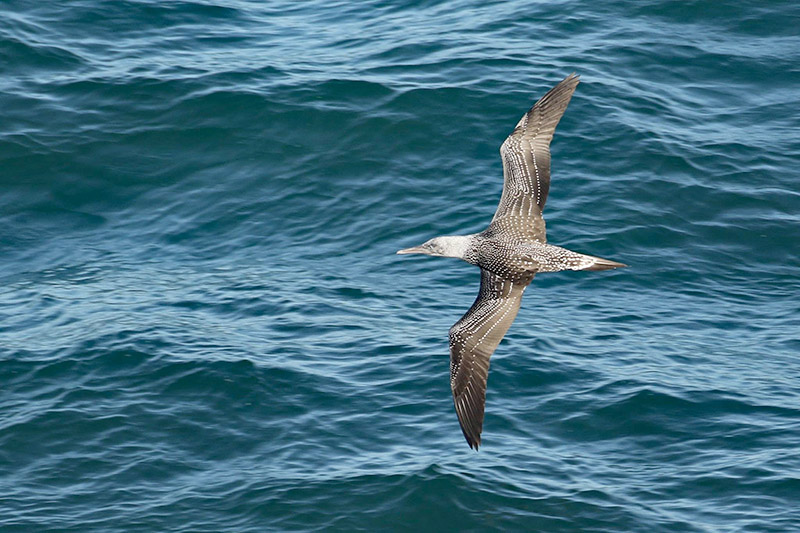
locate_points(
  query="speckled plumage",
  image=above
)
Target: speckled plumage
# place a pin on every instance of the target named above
(509, 252)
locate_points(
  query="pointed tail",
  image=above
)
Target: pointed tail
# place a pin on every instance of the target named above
(598, 263)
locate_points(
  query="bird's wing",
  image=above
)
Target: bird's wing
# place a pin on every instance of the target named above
(473, 339)
(526, 159)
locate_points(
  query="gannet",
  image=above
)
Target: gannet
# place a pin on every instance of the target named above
(510, 252)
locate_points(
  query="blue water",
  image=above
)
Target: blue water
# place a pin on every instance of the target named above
(204, 327)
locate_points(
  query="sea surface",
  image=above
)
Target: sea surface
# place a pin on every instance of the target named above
(204, 326)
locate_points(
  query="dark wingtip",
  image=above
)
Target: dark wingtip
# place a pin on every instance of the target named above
(559, 96)
(573, 77)
(470, 428)
(470, 419)
(474, 442)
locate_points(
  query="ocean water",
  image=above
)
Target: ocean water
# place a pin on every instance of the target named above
(204, 327)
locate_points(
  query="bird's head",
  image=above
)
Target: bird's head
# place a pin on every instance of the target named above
(454, 246)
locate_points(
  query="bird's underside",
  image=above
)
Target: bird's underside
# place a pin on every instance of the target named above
(510, 252)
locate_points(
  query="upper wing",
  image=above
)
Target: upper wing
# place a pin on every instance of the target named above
(473, 339)
(526, 159)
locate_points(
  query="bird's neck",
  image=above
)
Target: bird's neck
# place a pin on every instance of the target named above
(459, 246)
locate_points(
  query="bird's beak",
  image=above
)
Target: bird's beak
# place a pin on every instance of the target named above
(413, 250)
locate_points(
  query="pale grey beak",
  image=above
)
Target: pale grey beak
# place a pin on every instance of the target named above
(413, 250)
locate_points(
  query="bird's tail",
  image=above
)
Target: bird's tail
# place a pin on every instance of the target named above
(598, 263)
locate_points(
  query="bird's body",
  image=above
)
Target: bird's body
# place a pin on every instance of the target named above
(516, 259)
(510, 252)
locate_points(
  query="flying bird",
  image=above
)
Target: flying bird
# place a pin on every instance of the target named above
(510, 252)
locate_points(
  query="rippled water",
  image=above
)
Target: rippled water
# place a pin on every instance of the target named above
(204, 327)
